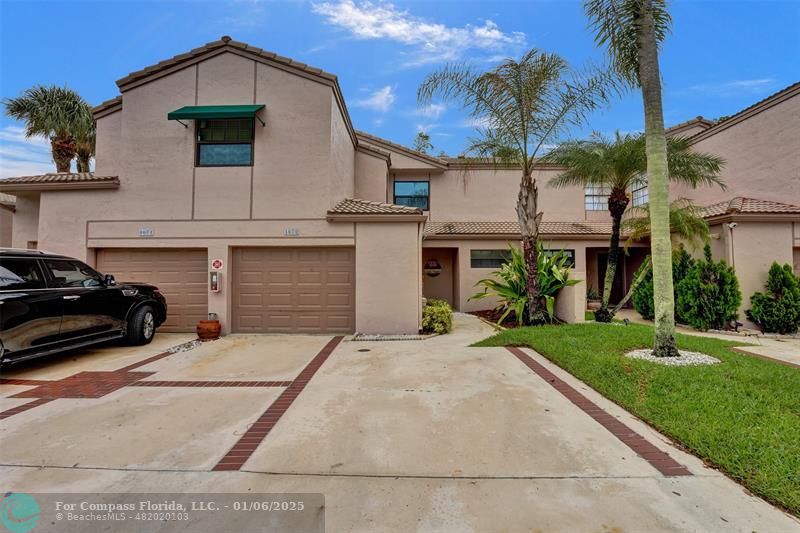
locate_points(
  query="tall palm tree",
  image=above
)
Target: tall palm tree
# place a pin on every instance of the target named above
(57, 113)
(619, 165)
(522, 106)
(85, 139)
(632, 30)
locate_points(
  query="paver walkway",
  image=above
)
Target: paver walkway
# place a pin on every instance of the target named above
(400, 436)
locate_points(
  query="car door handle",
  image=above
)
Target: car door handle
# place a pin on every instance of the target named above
(73, 297)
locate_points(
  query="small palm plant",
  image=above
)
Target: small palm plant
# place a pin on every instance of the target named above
(509, 284)
(619, 164)
(57, 113)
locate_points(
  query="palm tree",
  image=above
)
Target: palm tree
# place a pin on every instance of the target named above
(85, 139)
(422, 142)
(632, 31)
(522, 106)
(686, 226)
(57, 113)
(619, 165)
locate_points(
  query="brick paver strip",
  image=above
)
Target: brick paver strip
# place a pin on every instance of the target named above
(147, 361)
(255, 434)
(83, 385)
(15, 381)
(660, 460)
(155, 383)
(24, 407)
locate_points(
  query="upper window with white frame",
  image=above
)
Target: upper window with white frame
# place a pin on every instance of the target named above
(639, 194)
(595, 197)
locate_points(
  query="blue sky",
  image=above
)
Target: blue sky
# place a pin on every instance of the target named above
(721, 57)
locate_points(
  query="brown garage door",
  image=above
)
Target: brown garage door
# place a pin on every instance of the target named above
(294, 290)
(179, 274)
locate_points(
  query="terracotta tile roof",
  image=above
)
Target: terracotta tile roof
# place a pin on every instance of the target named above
(512, 228)
(223, 42)
(699, 121)
(354, 206)
(749, 206)
(368, 138)
(107, 107)
(7, 199)
(59, 180)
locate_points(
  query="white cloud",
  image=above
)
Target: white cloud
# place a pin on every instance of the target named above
(381, 100)
(476, 123)
(433, 111)
(734, 87)
(23, 157)
(430, 41)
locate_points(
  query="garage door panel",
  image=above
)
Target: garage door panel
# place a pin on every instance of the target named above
(180, 274)
(303, 290)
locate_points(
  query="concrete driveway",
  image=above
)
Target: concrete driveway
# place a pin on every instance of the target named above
(400, 436)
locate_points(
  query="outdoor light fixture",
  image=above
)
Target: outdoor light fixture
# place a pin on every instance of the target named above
(432, 268)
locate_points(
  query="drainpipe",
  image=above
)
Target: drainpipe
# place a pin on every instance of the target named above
(731, 256)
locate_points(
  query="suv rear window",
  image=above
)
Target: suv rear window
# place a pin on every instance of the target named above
(20, 274)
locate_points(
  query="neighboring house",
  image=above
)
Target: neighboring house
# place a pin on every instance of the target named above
(8, 205)
(232, 159)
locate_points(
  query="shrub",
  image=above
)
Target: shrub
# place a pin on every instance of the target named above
(437, 317)
(709, 297)
(643, 294)
(509, 283)
(778, 309)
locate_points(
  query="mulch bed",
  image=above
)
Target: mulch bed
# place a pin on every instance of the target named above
(492, 315)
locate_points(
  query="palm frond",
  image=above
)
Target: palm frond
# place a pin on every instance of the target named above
(685, 220)
(50, 111)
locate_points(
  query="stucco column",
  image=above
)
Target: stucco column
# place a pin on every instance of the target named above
(220, 302)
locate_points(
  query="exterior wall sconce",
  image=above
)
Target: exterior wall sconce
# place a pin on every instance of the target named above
(432, 268)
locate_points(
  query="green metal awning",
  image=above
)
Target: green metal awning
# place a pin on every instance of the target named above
(192, 112)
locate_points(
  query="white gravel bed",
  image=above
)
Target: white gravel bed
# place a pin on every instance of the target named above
(685, 358)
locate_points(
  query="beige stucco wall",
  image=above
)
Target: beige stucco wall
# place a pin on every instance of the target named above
(570, 303)
(388, 278)
(762, 154)
(26, 221)
(371, 174)
(6, 227)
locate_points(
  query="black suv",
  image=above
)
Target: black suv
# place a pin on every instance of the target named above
(49, 303)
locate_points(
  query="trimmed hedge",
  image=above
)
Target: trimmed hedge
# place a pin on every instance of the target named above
(437, 317)
(778, 309)
(642, 296)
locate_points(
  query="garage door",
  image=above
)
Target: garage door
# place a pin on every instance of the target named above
(179, 274)
(294, 290)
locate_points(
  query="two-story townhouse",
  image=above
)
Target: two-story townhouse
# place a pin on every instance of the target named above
(234, 160)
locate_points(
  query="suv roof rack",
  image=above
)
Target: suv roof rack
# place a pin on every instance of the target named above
(27, 250)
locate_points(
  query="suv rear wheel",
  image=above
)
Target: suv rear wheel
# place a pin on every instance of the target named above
(142, 326)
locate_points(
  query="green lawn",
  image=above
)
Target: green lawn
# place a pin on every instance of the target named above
(742, 415)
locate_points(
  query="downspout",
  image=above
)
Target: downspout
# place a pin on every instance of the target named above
(731, 255)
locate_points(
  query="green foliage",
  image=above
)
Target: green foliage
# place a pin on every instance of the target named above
(709, 297)
(437, 317)
(778, 309)
(740, 415)
(642, 297)
(422, 142)
(509, 283)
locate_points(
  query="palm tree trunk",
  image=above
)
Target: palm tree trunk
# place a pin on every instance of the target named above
(63, 152)
(658, 187)
(636, 282)
(83, 161)
(529, 219)
(617, 203)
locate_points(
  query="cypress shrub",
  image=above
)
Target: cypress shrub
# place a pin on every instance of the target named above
(642, 296)
(778, 309)
(709, 297)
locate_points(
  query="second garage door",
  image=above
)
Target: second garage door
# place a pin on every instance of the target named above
(294, 290)
(180, 274)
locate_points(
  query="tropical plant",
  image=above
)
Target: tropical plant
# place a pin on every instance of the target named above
(709, 295)
(522, 106)
(643, 292)
(632, 31)
(422, 142)
(56, 113)
(509, 284)
(686, 226)
(778, 309)
(619, 165)
(437, 317)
